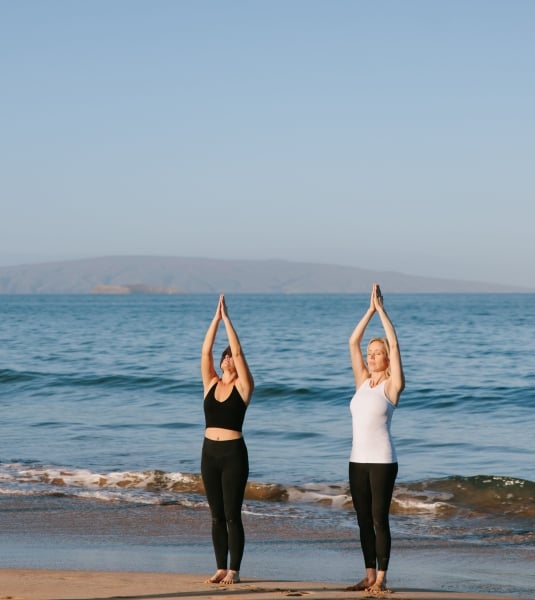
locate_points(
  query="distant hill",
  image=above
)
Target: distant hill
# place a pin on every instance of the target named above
(153, 274)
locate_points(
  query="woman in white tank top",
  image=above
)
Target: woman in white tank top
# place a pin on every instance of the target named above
(373, 466)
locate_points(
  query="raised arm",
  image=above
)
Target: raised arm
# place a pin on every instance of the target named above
(396, 382)
(245, 382)
(360, 371)
(208, 371)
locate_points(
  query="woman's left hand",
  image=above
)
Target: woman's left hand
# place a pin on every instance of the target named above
(377, 296)
(223, 306)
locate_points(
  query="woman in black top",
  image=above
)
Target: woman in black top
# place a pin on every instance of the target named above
(224, 462)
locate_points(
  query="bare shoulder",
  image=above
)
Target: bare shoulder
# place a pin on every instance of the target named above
(209, 384)
(245, 390)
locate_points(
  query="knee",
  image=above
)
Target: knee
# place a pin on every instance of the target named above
(381, 525)
(218, 520)
(365, 521)
(233, 519)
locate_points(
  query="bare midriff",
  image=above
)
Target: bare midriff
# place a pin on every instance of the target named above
(218, 434)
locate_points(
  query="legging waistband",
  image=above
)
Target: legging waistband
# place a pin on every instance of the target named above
(237, 442)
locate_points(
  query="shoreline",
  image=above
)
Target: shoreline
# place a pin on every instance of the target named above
(67, 534)
(49, 584)
(461, 571)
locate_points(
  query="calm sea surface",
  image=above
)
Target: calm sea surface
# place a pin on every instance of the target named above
(101, 401)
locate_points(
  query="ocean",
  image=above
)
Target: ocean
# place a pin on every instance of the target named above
(101, 427)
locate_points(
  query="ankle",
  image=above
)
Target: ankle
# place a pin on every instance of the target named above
(381, 577)
(371, 576)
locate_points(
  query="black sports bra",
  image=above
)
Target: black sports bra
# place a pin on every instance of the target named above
(228, 414)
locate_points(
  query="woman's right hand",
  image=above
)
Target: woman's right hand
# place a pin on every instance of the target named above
(373, 297)
(223, 306)
(377, 297)
(219, 310)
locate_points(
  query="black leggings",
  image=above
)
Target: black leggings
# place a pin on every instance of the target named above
(224, 469)
(372, 485)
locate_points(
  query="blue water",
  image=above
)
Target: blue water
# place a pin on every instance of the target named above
(113, 382)
(101, 396)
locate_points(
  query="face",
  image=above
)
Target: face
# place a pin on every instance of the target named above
(376, 357)
(226, 360)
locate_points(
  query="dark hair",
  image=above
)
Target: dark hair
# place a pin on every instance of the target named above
(226, 351)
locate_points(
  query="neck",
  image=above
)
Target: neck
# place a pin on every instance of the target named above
(376, 380)
(228, 378)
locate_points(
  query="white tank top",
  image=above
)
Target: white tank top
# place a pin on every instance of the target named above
(371, 412)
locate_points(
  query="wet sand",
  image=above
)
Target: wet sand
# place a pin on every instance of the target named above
(83, 549)
(43, 584)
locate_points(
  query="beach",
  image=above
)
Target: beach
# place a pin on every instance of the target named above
(58, 548)
(27, 584)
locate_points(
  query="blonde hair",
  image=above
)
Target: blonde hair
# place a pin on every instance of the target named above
(386, 346)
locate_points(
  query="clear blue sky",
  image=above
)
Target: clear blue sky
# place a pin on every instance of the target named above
(389, 135)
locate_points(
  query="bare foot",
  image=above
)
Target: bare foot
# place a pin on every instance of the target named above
(379, 587)
(362, 585)
(230, 578)
(218, 576)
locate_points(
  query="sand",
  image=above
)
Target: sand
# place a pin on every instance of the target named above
(40, 584)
